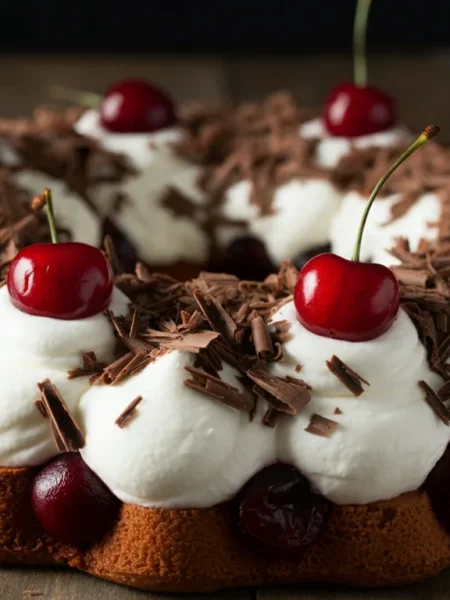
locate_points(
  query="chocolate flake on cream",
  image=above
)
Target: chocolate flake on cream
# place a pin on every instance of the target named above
(219, 389)
(285, 396)
(68, 435)
(346, 375)
(261, 339)
(436, 404)
(321, 426)
(129, 413)
(90, 366)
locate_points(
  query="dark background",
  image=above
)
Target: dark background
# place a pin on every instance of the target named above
(246, 27)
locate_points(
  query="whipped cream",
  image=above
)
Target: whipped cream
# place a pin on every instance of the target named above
(159, 235)
(417, 223)
(387, 440)
(141, 149)
(71, 211)
(181, 449)
(301, 217)
(36, 348)
(331, 149)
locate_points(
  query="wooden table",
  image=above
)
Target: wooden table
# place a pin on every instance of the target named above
(420, 83)
(61, 584)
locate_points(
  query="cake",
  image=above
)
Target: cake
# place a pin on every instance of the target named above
(43, 151)
(200, 435)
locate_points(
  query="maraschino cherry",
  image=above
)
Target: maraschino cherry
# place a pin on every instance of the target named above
(356, 108)
(278, 509)
(128, 106)
(71, 503)
(346, 299)
(61, 281)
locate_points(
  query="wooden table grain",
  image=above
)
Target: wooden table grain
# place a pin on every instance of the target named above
(62, 584)
(422, 86)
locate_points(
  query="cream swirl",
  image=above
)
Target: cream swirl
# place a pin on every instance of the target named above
(388, 439)
(142, 149)
(182, 449)
(420, 221)
(302, 210)
(331, 149)
(36, 348)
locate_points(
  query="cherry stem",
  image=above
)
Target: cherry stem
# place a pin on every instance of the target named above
(359, 42)
(88, 99)
(428, 133)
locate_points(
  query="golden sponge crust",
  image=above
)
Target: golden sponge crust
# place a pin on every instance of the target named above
(385, 543)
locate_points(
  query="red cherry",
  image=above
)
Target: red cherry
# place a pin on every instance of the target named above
(346, 300)
(134, 106)
(71, 503)
(62, 281)
(278, 509)
(351, 111)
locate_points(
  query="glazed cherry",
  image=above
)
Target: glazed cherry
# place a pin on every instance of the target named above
(352, 111)
(301, 259)
(71, 503)
(62, 281)
(346, 300)
(277, 508)
(135, 106)
(355, 109)
(247, 258)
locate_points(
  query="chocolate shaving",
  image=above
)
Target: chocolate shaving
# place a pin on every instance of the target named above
(270, 417)
(435, 403)
(129, 413)
(346, 375)
(111, 255)
(217, 317)
(261, 339)
(298, 368)
(70, 436)
(285, 396)
(220, 390)
(337, 411)
(321, 426)
(90, 366)
(41, 408)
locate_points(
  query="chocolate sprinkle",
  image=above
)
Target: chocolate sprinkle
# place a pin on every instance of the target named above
(337, 411)
(346, 375)
(129, 413)
(433, 400)
(321, 426)
(69, 437)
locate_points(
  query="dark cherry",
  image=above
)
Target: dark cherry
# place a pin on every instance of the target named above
(125, 250)
(246, 258)
(346, 300)
(352, 111)
(277, 508)
(71, 503)
(62, 281)
(437, 486)
(135, 106)
(301, 259)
